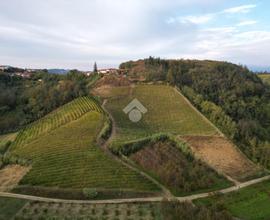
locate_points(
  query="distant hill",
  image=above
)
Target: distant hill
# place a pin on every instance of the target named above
(259, 68)
(58, 71)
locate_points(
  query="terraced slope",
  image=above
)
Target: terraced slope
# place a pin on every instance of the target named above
(55, 119)
(68, 157)
(167, 112)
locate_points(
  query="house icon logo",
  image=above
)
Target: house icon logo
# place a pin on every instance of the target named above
(135, 109)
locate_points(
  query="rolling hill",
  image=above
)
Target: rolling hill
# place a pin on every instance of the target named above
(63, 152)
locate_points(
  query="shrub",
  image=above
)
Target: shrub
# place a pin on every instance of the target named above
(90, 193)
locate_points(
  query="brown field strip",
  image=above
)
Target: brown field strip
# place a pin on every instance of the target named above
(222, 155)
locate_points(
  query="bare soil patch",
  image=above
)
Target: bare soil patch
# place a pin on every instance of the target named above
(113, 80)
(223, 156)
(11, 175)
(105, 85)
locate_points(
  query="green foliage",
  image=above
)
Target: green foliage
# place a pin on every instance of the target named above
(106, 130)
(172, 210)
(10, 206)
(90, 193)
(95, 69)
(173, 164)
(213, 112)
(135, 145)
(25, 100)
(235, 99)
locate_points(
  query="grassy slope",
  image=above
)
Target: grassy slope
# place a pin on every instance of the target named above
(251, 203)
(68, 157)
(6, 138)
(167, 112)
(265, 78)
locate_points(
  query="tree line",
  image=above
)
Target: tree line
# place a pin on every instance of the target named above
(23, 100)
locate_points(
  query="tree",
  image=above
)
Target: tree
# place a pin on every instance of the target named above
(95, 68)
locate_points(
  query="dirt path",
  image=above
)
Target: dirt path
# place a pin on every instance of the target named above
(105, 147)
(149, 199)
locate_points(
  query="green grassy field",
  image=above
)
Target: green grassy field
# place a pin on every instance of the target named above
(55, 119)
(265, 78)
(68, 157)
(9, 207)
(251, 203)
(167, 112)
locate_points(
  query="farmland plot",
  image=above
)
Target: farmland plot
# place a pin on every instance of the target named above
(67, 157)
(168, 112)
(55, 119)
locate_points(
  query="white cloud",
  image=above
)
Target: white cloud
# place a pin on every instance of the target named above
(73, 34)
(200, 19)
(246, 23)
(240, 9)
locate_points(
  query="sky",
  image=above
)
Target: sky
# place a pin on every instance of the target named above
(75, 33)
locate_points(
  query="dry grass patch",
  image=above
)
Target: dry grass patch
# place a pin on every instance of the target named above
(11, 175)
(223, 156)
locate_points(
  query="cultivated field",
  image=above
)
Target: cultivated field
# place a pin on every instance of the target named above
(168, 112)
(251, 203)
(68, 157)
(55, 119)
(223, 156)
(23, 209)
(265, 78)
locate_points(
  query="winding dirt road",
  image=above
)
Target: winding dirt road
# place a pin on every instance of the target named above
(132, 200)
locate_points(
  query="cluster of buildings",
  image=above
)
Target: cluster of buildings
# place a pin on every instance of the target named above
(108, 71)
(25, 73)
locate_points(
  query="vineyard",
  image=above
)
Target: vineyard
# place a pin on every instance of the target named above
(55, 119)
(168, 112)
(67, 157)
